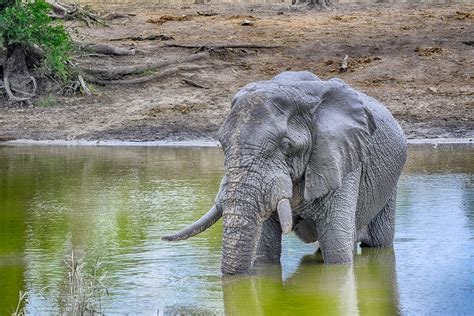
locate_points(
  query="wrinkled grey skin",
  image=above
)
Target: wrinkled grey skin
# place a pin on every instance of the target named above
(336, 154)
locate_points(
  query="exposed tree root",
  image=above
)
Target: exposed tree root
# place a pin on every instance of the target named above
(157, 76)
(16, 77)
(113, 73)
(12, 97)
(20, 86)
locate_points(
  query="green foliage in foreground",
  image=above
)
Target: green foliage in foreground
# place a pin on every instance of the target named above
(27, 24)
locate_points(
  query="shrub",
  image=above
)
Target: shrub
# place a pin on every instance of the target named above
(27, 24)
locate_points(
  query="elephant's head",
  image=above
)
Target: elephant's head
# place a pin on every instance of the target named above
(286, 140)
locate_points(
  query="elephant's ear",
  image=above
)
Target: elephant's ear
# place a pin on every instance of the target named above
(343, 128)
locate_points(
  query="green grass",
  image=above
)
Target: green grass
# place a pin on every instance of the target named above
(47, 102)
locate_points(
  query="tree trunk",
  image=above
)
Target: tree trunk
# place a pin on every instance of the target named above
(17, 81)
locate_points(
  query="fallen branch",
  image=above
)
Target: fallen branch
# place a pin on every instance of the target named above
(157, 76)
(83, 85)
(166, 18)
(112, 16)
(206, 13)
(73, 11)
(110, 50)
(90, 55)
(159, 37)
(344, 64)
(59, 11)
(195, 83)
(113, 73)
(222, 46)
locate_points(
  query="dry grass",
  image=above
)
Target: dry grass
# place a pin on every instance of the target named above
(21, 306)
(83, 292)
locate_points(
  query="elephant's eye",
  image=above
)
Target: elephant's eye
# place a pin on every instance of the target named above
(285, 147)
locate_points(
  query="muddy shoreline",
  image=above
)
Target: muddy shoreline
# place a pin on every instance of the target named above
(413, 58)
(206, 143)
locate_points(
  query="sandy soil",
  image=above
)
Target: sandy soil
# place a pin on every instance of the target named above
(418, 60)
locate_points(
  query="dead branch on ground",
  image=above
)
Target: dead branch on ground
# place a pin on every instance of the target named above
(157, 76)
(195, 83)
(206, 13)
(109, 50)
(113, 16)
(156, 37)
(208, 47)
(113, 73)
(83, 84)
(66, 11)
(344, 64)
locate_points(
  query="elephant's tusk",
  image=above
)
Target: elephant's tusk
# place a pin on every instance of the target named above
(285, 215)
(206, 221)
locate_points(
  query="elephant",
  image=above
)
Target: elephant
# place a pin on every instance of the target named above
(305, 155)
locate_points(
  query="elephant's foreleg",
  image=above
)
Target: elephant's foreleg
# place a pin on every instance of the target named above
(336, 221)
(381, 230)
(269, 248)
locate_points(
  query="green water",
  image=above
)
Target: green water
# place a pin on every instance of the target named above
(114, 204)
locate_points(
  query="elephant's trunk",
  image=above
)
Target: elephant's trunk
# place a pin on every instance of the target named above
(241, 236)
(248, 200)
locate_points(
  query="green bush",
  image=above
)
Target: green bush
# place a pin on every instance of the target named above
(27, 23)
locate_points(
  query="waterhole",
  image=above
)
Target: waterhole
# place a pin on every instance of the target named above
(112, 204)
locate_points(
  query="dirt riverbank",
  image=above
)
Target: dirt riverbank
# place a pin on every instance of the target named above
(418, 60)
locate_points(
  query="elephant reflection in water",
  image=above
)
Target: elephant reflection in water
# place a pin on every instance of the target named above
(368, 286)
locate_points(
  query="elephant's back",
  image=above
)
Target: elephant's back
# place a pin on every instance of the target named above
(380, 174)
